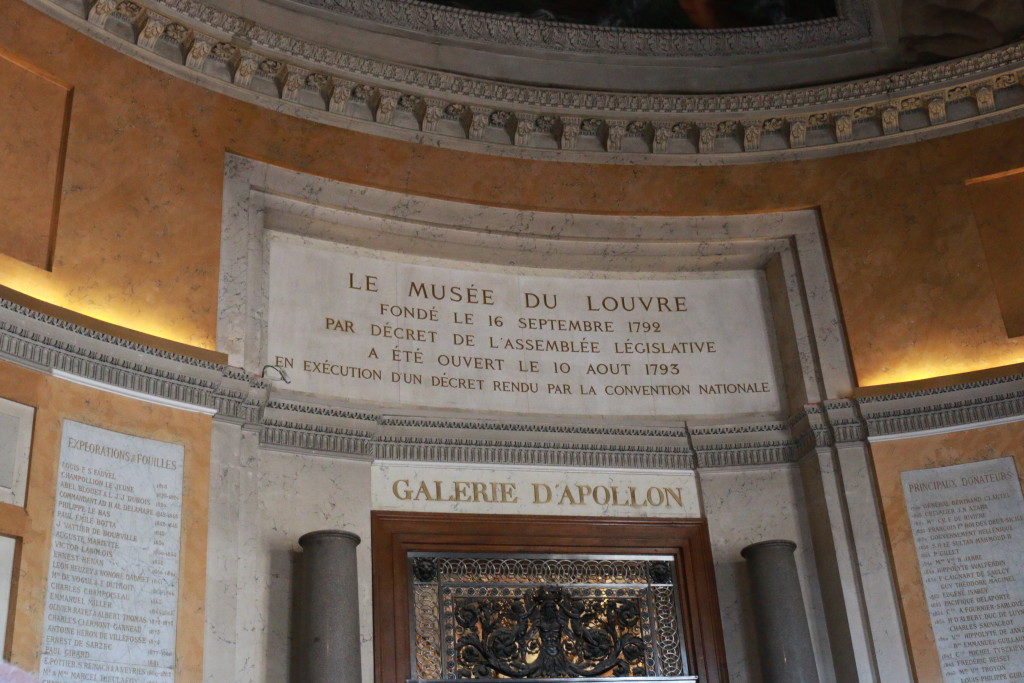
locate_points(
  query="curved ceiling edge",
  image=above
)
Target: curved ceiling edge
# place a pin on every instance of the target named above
(855, 43)
(251, 62)
(434, 20)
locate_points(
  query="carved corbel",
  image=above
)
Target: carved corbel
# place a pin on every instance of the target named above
(936, 110)
(890, 121)
(433, 110)
(985, 98)
(340, 94)
(154, 29)
(248, 66)
(386, 106)
(478, 122)
(797, 133)
(752, 135)
(293, 84)
(101, 11)
(570, 131)
(525, 125)
(616, 131)
(843, 126)
(706, 138)
(662, 135)
(201, 48)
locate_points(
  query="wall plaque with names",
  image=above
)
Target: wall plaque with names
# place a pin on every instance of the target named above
(364, 325)
(112, 595)
(968, 526)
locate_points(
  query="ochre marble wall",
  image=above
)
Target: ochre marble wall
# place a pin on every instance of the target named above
(893, 457)
(998, 206)
(33, 110)
(138, 233)
(56, 400)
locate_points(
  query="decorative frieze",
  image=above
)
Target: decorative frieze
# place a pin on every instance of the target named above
(45, 343)
(849, 26)
(502, 117)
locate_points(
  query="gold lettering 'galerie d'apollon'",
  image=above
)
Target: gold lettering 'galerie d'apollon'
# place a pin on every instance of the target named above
(500, 492)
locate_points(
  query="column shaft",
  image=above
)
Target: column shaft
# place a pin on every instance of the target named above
(328, 607)
(783, 636)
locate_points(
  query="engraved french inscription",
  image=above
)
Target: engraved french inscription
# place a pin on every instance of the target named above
(967, 526)
(368, 326)
(112, 595)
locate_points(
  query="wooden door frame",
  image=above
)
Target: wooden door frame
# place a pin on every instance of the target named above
(395, 534)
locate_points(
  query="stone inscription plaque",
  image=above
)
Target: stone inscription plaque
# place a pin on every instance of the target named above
(967, 526)
(517, 490)
(112, 596)
(358, 324)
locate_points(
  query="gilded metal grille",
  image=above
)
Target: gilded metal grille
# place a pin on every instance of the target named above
(488, 618)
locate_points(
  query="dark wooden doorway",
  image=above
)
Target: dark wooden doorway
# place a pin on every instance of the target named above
(396, 534)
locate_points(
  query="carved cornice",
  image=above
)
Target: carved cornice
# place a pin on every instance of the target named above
(769, 443)
(253, 62)
(437, 20)
(306, 438)
(836, 421)
(45, 343)
(474, 425)
(944, 408)
(529, 453)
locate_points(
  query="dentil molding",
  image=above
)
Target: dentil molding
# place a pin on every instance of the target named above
(244, 59)
(313, 426)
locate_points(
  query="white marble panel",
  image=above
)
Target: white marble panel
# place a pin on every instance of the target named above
(390, 329)
(15, 445)
(744, 506)
(507, 489)
(8, 546)
(297, 494)
(968, 527)
(112, 595)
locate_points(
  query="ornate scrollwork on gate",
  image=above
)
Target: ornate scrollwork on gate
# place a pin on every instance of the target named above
(548, 633)
(515, 617)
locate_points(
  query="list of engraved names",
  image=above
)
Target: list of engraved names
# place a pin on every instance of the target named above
(111, 600)
(968, 526)
(358, 324)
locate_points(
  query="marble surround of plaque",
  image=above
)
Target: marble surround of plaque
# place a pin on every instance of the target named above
(15, 446)
(968, 527)
(392, 329)
(112, 598)
(8, 549)
(515, 490)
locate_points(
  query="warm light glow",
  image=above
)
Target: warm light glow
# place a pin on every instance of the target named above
(921, 369)
(110, 304)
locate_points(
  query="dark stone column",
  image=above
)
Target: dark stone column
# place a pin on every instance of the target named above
(782, 632)
(328, 605)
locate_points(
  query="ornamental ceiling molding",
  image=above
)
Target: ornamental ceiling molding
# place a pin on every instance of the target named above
(302, 425)
(850, 25)
(239, 57)
(235, 56)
